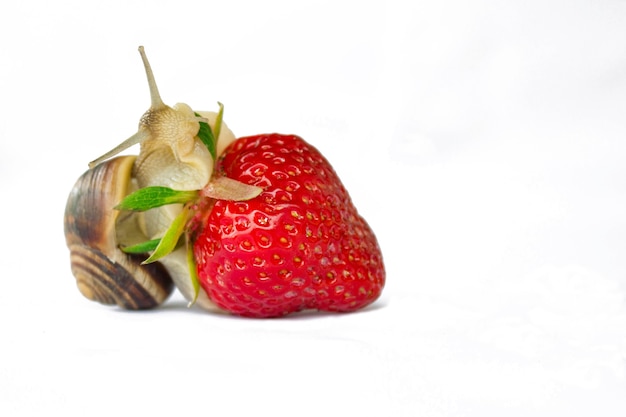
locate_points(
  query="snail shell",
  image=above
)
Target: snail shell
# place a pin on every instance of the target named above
(103, 272)
(171, 155)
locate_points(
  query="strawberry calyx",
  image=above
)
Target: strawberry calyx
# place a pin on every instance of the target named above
(219, 188)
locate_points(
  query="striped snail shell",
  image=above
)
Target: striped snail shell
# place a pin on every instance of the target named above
(103, 272)
(171, 155)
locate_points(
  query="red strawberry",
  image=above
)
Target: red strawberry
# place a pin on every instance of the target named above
(300, 244)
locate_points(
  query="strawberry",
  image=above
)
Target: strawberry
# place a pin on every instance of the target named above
(300, 244)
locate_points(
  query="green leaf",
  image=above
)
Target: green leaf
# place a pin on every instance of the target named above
(218, 122)
(206, 136)
(170, 239)
(151, 197)
(193, 273)
(143, 247)
(224, 188)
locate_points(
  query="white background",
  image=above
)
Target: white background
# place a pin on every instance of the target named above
(483, 141)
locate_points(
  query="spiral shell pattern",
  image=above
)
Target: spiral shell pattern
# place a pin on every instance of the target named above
(103, 272)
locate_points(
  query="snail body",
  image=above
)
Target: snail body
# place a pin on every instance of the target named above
(171, 155)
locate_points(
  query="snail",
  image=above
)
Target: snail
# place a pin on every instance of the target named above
(171, 155)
